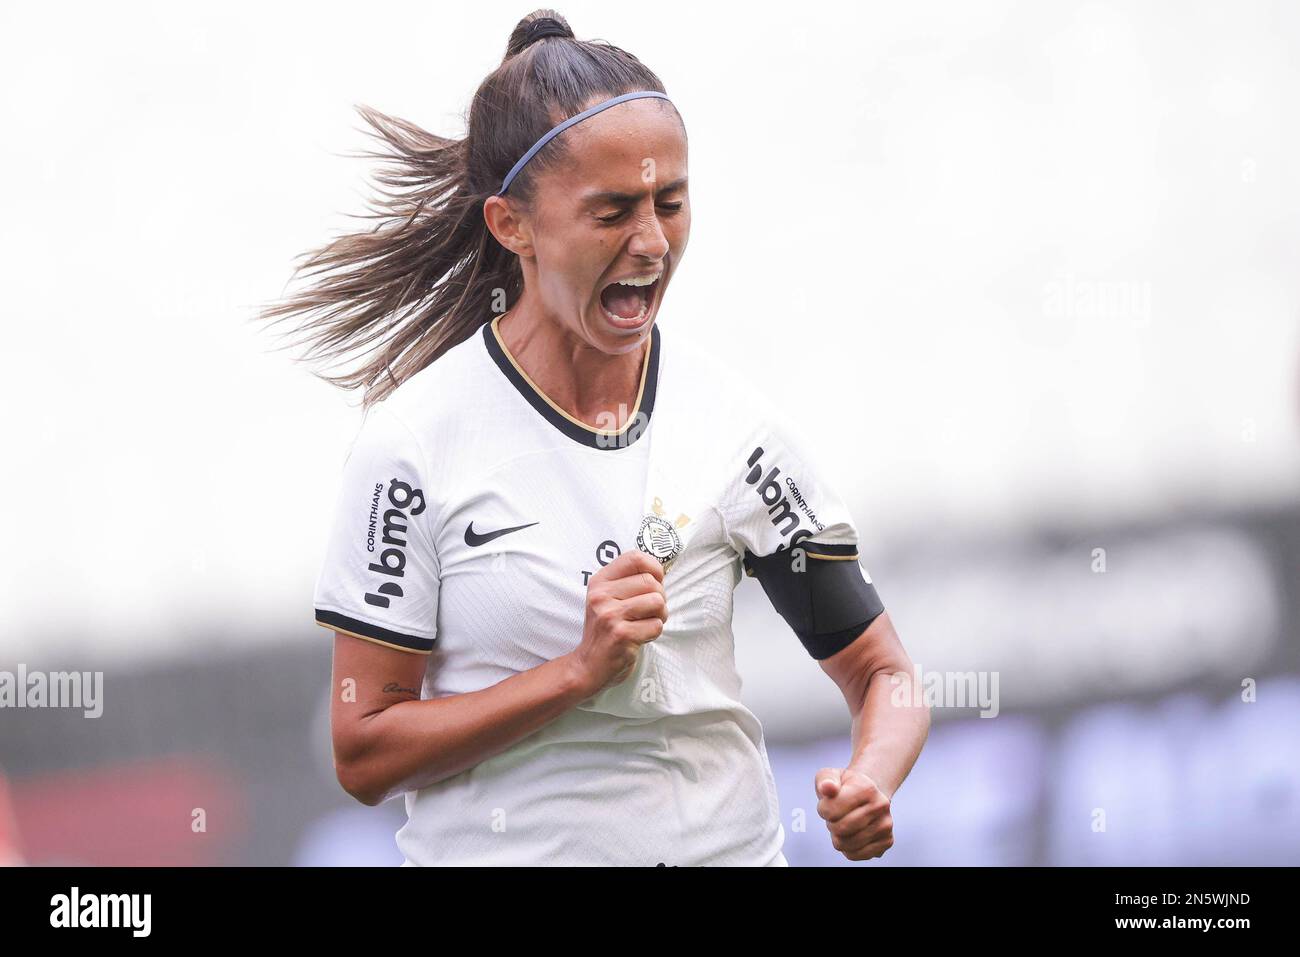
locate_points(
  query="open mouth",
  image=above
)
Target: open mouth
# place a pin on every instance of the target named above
(628, 304)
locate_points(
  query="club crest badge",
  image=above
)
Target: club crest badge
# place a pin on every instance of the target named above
(658, 539)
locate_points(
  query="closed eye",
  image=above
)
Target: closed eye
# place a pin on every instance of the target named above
(669, 207)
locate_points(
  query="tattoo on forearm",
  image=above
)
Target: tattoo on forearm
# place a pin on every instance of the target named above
(394, 688)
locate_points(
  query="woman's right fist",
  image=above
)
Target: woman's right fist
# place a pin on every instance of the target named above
(626, 608)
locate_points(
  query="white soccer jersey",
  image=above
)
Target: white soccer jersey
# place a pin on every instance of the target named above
(472, 513)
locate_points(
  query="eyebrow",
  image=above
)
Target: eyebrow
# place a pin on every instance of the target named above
(613, 196)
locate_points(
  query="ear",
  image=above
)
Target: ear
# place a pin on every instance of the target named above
(508, 225)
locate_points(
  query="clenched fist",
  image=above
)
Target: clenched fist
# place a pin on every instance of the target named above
(856, 812)
(626, 609)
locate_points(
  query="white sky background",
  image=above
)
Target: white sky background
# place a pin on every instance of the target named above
(907, 209)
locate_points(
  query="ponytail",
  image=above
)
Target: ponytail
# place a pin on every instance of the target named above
(430, 273)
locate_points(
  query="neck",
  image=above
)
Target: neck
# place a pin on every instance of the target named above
(594, 387)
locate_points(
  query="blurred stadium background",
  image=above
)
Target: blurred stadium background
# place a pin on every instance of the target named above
(1041, 260)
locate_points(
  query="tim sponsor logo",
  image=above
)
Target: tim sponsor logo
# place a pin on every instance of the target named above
(773, 491)
(406, 502)
(102, 910)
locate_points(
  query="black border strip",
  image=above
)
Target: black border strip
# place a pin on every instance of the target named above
(636, 424)
(818, 550)
(823, 646)
(364, 629)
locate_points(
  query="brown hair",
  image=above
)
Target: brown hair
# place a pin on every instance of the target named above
(430, 273)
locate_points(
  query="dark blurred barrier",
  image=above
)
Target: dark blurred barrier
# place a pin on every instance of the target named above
(229, 740)
(226, 761)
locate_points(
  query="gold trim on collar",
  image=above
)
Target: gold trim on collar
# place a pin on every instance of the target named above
(632, 417)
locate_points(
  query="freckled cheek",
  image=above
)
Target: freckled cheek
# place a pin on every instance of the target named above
(586, 258)
(595, 263)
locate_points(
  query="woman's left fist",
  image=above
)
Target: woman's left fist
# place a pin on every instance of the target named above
(856, 812)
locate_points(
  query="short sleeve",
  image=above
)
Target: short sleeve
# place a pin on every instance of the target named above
(798, 538)
(379, 577)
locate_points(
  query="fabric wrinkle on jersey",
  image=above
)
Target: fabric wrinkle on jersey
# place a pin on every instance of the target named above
(668, 766)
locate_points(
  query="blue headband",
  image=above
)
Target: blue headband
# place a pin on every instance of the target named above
(556, 131)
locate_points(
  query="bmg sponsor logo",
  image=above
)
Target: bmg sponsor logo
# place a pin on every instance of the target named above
(778, 495)
(406, 502)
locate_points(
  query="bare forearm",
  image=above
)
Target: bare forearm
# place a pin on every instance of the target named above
(889, 729)
(413, 743)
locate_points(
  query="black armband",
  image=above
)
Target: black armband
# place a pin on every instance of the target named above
(821, 593)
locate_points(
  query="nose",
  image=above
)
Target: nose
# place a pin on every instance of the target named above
(649, 241)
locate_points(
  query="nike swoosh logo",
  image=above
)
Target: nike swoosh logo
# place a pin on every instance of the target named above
(474, 539)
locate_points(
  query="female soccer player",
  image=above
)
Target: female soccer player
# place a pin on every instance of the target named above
(548, 506)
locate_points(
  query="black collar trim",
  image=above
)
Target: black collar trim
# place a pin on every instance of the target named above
(637, 421)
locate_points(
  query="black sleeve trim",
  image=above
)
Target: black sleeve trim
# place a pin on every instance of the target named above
(829, 552)
(376, 633)
(823, 646)
(827, 604)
